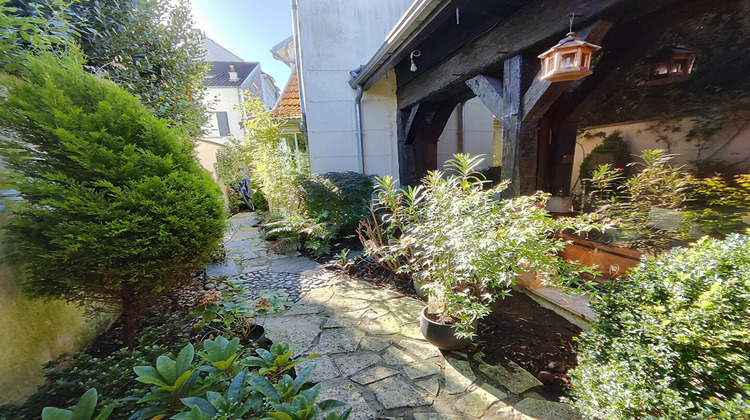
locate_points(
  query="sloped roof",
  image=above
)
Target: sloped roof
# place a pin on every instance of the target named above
(218, 76)
(288, 106)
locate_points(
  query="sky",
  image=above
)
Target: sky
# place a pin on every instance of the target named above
(248, 28)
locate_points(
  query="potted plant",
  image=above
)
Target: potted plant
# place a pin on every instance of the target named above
(236, 312)
(471, 247)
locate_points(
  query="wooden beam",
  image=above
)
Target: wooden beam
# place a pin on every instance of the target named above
(420, 129)
(490, 91)
(537, 22)
(542, 94)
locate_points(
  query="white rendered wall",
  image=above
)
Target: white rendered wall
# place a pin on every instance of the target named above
(227, 100)
(478, 134)
(335, 38)
(730, 143)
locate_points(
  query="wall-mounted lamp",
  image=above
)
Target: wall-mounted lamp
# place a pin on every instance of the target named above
(415, 53)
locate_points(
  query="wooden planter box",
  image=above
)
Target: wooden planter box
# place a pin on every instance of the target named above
(612, 261)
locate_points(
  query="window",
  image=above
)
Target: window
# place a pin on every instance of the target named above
(222, 122)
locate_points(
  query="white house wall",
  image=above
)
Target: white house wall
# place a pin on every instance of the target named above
(478, 134)
(227, 100)
(335, 38)
(642, 135)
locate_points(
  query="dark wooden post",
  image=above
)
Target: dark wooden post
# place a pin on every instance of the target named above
(420, 128)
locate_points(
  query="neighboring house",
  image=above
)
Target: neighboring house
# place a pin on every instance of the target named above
(226, 83)
(417, 64)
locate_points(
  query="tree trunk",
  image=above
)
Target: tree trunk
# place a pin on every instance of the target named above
(130, 312)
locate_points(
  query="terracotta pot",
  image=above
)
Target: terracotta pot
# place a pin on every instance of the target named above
(442, 336)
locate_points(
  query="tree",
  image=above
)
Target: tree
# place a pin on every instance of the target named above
(147, 47)
(116, 208)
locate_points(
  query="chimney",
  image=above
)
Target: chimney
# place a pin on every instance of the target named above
(232, 73)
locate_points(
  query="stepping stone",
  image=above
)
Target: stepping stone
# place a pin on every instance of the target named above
(324, 369)
(225, 269)
(458, 375)
(298, 332)
(421, 349)
(374, 343)
(341, 322)
(339, 304)
(393, 393)
(502, 411)
(476, 402)
(303, 310)
(236, 244)
(515, 378)
(546, 410)
(297, 265)
(350, 364)
(397, 357)
(338, 340)
(249, 255)
(421, 370)
(436, 416)
(245, 235)
(384, 325)
(373, 374)
(348, 392)
(431, 386)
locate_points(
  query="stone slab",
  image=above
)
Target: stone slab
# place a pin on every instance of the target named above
(372, 343)
(416, 371)
(475, 403)
(397, 357)
(350, 364)
(298, 265)
(348, 392)
(324, 369)
(430, 385)
(227, 268)
(373, 374)
(298, 332)
(236, 244)
(514, 377)
(546, 410)
(421, 349)
(393, 392)
(338, 340)
(458, 375)
(303, 310)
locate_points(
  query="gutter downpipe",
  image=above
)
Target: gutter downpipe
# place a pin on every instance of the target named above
(298, 65)
(460, 127)
(360, 134)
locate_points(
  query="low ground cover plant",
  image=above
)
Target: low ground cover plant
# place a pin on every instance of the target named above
(672, 339)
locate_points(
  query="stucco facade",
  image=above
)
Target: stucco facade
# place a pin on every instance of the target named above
(336, 38)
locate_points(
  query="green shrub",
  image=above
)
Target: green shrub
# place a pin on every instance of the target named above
(672, 340)
(298, 232)
(344, 196)
(116, 208)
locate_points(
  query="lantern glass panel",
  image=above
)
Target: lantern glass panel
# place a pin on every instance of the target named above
(568, 60)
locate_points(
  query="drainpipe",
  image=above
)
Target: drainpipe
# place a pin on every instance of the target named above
(298, 65)
(460, 127)
(360, 134)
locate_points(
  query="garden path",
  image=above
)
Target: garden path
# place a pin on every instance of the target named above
(373, 355)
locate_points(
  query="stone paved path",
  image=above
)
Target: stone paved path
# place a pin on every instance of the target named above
(373, 355)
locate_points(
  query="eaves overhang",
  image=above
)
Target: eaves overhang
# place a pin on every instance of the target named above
(419, 15)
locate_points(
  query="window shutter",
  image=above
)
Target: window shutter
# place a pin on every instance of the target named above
(223, 121)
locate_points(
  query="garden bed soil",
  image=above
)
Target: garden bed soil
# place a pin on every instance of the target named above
(518, 329)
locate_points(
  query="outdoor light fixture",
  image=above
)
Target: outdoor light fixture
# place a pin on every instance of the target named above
(569, 60)
(415, 53)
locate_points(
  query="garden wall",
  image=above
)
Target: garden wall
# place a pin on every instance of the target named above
(729, 144)
(34, 332)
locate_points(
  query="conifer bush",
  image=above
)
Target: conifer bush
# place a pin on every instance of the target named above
(116, 208)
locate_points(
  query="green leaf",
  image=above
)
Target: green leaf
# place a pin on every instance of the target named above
(104, 415)
(84, 410)
(281, 416)
(182, 379)
(202, 404)
(185, 358)
(263, 386)
(167, 369)
(52, 413)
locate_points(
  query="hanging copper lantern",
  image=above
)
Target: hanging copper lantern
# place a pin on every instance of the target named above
(569, 60)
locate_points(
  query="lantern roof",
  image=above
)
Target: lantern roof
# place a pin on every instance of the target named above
(570, 41)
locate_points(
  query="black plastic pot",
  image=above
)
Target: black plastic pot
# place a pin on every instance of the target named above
(440, 335)
(258, 337)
